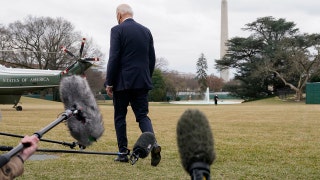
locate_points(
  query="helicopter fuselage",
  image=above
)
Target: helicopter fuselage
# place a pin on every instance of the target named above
(16, 81)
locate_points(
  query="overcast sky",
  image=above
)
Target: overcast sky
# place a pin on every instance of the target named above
(182, 29)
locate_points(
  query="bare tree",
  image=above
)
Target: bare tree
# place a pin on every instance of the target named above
(162, 64)
(42, 38)
(58, 32)
(215, 83)
(4, 44)
(172, 83)
(180, 82)
(95, 79)
(39, 40)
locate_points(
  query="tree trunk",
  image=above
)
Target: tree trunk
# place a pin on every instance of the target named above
(298, 95)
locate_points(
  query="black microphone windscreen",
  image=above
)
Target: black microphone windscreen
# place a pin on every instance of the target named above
(85, 126)
(194, 139)
(144, 144)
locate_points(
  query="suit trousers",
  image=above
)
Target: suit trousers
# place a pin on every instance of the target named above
(138, 99)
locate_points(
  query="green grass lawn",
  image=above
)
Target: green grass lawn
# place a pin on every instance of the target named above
(267, 139)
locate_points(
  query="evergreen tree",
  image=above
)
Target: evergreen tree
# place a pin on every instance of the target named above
(158, 93)
(274, 55)
(202, 68)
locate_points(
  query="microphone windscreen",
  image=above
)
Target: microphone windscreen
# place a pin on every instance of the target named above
(194, 139)
(144, 144)
(86, 126)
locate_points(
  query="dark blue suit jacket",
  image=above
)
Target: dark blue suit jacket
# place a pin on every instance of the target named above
(131, 57)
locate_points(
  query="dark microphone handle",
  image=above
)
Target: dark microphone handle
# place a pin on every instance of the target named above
(4, 158)
(199, 171)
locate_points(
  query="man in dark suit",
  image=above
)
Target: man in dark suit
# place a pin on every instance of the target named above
(129, 71)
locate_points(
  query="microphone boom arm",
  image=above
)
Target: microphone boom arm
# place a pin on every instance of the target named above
(71, 145)
(8, 148)
(4, 158)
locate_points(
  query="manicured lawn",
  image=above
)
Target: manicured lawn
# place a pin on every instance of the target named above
(267, 139)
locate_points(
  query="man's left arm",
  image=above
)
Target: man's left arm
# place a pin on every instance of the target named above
(114, 54)
(152, 56)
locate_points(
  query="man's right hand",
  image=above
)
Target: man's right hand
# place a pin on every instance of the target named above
(109, 91)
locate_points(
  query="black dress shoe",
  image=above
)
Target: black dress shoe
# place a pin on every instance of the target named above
(122, 159)
(155, 155)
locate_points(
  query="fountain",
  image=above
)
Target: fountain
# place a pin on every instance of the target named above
(208, 101)
(207, 96)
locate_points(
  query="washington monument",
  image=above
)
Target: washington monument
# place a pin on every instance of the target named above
(224, 74)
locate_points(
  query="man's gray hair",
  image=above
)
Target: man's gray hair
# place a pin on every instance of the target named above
(124, 9)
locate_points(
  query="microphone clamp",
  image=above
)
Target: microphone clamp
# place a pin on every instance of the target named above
(74, 111)
(133, 158)
(67, 113)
